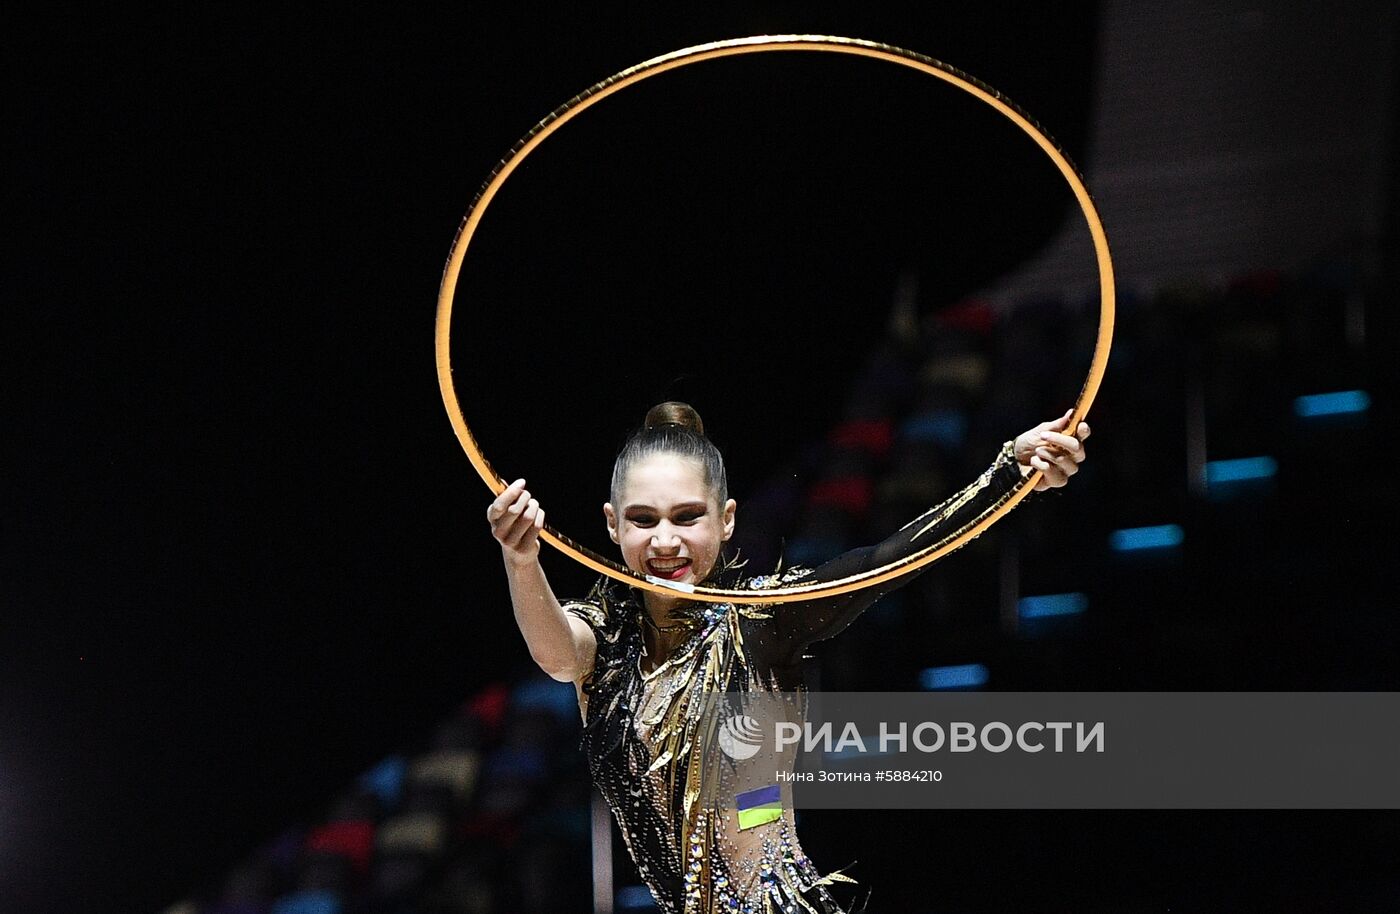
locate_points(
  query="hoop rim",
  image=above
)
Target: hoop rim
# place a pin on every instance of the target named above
(732, 47)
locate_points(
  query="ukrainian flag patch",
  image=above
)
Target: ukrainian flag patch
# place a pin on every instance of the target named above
(758, 807)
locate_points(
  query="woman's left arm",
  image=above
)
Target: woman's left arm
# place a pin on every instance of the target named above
(1046, 447)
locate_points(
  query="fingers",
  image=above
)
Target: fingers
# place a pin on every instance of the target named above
(1052, 433)
(1060, 423)
(1061, 441)
(509, 495)
(1049, 449)
(522, 527)
(1061, 465)
(1047, 473)
(515, 517)
(1056, 467)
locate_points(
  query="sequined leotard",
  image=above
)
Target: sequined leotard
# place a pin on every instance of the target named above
(640, 728)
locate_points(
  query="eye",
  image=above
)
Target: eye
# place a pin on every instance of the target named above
(689, 517)
(642, 520)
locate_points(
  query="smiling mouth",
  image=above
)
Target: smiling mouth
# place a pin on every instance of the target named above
(668, 569)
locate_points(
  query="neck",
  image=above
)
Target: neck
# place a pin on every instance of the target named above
(659, 606)
(666, 627)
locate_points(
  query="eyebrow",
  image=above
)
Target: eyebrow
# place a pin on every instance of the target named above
(681, 506)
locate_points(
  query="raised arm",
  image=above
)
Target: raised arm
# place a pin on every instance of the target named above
(1045, 447)
(563, 645)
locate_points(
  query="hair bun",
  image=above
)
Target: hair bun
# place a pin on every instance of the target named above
(673, 412)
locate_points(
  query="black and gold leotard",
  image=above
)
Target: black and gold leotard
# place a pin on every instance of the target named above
(650, 743)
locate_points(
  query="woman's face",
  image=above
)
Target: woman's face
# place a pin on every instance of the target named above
(669, 523)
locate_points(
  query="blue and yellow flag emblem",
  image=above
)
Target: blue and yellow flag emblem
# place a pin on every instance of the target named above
(757, 807)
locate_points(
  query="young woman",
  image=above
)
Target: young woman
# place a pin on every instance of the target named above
(640, 660)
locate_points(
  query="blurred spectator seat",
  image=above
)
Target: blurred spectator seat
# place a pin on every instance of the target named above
(963, 371)
(385, 781)
(490, 705)
(310, 902)
(874, 436)
(850, 494)
(421, 832)
(946, 428)
(454, 769)
(353, 840)
(541, 693)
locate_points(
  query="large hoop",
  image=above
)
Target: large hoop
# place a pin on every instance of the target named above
(754, 45)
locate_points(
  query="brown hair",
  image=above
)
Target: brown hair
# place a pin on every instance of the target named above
(672, 428)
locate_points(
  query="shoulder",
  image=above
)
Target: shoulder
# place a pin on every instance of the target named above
(602, 609)
(592, 613)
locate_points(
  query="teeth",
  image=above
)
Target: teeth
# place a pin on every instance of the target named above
(668, 565)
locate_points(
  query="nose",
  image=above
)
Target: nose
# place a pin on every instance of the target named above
(665, 540)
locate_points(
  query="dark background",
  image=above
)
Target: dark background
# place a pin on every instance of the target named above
(245, 554)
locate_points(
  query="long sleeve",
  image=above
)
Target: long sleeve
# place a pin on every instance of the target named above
(799, 624)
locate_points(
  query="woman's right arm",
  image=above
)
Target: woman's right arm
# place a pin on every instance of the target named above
(562, 644)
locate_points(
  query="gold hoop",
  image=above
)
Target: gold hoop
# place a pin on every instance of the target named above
(754, 45)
